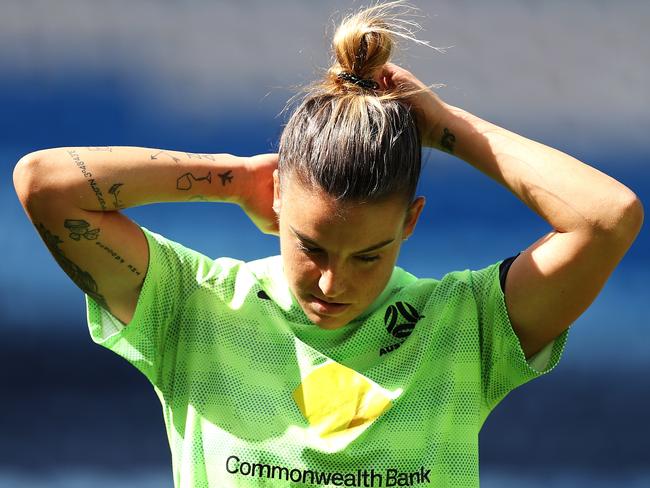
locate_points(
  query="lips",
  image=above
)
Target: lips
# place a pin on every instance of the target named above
(328, 308)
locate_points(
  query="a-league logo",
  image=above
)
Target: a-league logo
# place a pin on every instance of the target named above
(400, 319)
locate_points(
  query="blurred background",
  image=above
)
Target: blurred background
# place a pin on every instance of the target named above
(213, 76)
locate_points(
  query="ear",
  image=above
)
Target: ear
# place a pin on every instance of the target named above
(412, 216)
(276, 192)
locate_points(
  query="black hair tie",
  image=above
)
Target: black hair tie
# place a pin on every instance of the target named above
(352, 78)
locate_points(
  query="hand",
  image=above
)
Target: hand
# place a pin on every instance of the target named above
(429, 109)
(257, 202)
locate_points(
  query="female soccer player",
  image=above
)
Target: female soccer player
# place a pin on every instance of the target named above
(328, 365)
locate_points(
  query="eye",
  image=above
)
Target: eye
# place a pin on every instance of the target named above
(306, 249)
(368, 259)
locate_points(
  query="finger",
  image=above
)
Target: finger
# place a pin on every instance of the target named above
(385, 79)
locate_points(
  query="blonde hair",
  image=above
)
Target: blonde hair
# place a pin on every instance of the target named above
(354, 142)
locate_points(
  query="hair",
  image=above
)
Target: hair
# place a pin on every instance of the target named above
(355, 143)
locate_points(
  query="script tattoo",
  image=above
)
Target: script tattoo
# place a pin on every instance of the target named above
(448, 140)
(81, 278)
(184, 182)
(89, 176)
(117, 257)
(226, 177)
(114, 190)
(80, 228)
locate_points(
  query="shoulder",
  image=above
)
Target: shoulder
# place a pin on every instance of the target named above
(455, 287)
(174, 258)
(443, 284)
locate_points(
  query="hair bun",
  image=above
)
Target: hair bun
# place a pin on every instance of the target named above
(364, 41)
(362, 44)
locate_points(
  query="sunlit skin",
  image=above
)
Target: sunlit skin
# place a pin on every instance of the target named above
(330, 252)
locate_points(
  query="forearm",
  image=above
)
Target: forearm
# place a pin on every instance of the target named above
(111, 178)
(567, 193)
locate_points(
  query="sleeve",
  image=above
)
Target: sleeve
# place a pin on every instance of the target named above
(141, 343)
(503, 270)
(503, 363)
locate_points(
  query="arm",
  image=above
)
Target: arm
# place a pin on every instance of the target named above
(112, 178)
(73, 196)
(595, 218)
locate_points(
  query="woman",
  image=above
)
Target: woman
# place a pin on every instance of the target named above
(328, 365)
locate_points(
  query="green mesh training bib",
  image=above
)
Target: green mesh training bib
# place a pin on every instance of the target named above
(255, 395)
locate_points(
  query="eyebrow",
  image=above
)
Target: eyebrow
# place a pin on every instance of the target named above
(374, 247)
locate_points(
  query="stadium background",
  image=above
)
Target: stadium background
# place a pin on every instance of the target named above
(212, 76)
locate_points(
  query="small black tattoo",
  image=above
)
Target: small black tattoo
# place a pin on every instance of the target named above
(448, 140)
(184, 182)
(114, 190)
(79, 228)
(226, 177)
(81, 278)
(154, 156)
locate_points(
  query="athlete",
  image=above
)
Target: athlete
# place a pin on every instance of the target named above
(328, 365)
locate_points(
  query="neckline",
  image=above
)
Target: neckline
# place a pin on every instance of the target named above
(308, 331)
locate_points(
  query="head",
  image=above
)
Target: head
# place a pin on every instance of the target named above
(349, 164)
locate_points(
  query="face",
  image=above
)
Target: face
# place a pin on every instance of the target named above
(338, 257)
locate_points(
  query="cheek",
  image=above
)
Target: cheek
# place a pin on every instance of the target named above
(380, 278)
(299, 269)
(375, 281)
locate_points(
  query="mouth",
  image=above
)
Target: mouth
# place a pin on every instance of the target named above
(328, 308)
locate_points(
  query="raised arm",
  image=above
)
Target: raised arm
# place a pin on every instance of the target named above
(73, 195)
(595, 218)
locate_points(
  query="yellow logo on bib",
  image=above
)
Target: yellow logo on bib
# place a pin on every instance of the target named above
(339, 403)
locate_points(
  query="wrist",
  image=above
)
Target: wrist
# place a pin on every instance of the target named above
(240, 179)
(434, 113)
(228, 178)
(250, 177)
(439, 135)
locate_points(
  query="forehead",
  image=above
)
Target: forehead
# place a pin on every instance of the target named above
(315, 214)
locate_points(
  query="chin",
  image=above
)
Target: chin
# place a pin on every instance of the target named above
(325, 322)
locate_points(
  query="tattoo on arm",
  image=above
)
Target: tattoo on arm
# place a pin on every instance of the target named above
(200, 156)
(226, 177)
(184, 182)
(81, 278)
(89, 176)
(117, 257)
(79, 228)
(155, 156)
(448, 140)
(115, 190)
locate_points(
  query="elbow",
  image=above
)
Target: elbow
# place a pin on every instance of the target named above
(29, 159)
(629, 219)
(26, 176)
(637, 214)
(23, 172)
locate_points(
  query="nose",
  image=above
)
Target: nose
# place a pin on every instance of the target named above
(331, 282)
